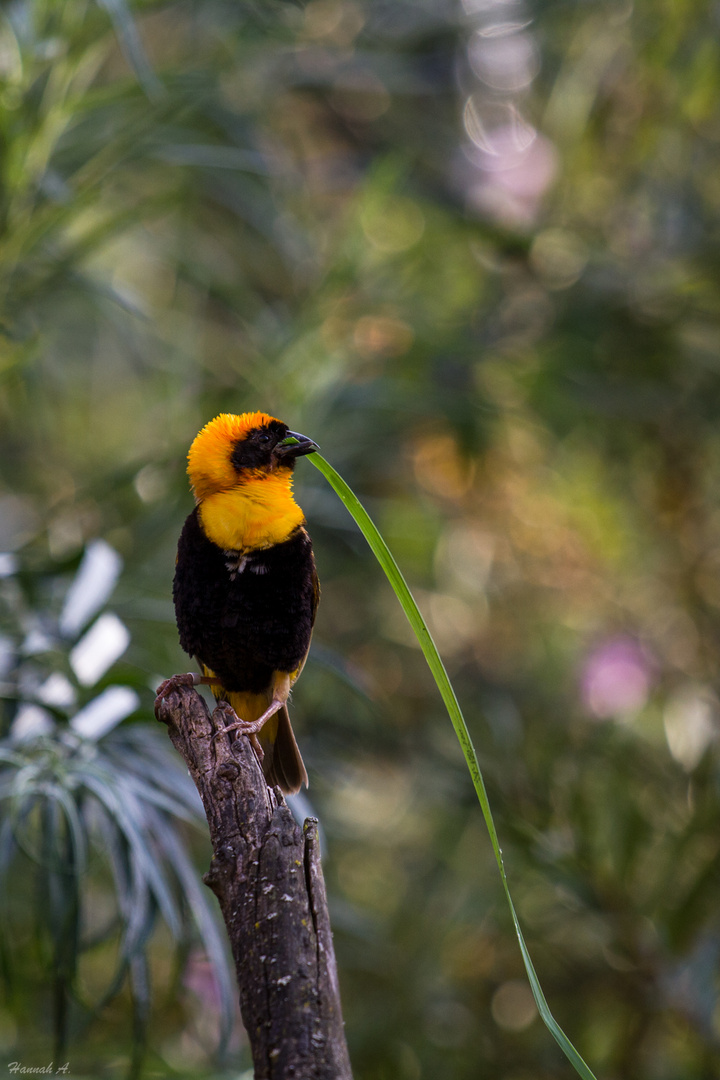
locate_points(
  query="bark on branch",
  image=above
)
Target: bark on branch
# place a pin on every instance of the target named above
(267, 876)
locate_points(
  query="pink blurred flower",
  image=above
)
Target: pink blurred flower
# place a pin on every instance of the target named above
(199, 977)
(616, 679)
(506, 172)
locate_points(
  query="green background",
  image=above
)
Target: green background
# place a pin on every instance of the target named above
(472, 251)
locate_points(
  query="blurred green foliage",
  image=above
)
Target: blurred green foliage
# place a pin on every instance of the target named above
(472, 249)
(96, 860)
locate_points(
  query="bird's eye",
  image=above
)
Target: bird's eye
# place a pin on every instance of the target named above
(264, 438)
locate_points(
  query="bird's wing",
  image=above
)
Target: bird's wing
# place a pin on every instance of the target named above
(313, 611)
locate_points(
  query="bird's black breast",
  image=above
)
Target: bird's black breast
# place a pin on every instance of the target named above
(245, 619)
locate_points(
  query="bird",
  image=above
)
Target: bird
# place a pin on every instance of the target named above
(246, 588)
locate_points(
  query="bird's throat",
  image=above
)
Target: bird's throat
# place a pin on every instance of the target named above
(252, 516)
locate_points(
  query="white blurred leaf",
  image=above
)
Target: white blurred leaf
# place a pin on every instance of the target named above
(106, 640)
(8, 564)
(37, 641)
(7, 653)
(57, 691)
(105, 711)
(93, 584)
(31, 721)
(690, 720)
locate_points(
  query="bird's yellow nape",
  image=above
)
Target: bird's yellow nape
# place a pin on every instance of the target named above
(209, 460)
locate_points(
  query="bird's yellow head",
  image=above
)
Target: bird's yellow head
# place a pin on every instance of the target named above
(240, 469)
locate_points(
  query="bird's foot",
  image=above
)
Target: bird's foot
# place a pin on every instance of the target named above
(249, 728)
(224, 712)
(189, 678)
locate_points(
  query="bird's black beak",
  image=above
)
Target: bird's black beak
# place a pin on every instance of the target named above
(294, 446)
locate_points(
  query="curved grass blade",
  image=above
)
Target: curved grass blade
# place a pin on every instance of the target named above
(207, 927)
(385, 558)
(128, 818)
(149, 769)
(132, 46)
(76, 829)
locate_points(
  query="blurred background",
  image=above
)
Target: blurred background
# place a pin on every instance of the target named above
(471, 249)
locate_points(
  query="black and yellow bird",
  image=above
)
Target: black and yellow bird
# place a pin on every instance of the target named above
(246, 589)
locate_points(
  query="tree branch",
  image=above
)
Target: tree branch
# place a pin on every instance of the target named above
(267, 876)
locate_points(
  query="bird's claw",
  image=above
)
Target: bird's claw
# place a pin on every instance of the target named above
(255, 743)
(188, 678)
(223, 710)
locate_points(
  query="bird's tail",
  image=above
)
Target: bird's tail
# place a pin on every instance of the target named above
(282, 764)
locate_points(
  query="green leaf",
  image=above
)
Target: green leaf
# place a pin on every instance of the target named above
(127, 815)
(387, 562)
(208, 930)
(132, 46)
(76, 829)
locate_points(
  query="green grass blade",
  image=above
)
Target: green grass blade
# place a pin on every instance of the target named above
(387, 562)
